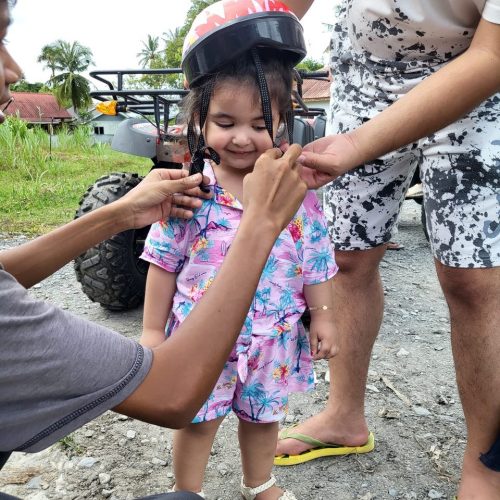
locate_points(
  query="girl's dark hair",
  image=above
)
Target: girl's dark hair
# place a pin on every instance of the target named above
(277, 70)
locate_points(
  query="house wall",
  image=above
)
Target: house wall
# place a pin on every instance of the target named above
(318, 104)
(104, 127)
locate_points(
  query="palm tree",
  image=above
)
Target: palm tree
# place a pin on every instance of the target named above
(67, 61)
(49, 56)
(320, 260)
(267, 401)
(150, 51)
(255, 392)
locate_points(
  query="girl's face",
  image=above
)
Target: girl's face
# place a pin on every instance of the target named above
(10, 72)
(235, 125)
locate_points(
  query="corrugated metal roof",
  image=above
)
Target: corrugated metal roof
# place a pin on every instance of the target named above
(316, 90)
(37, 108)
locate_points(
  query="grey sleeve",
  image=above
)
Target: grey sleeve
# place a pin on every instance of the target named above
(57, 371)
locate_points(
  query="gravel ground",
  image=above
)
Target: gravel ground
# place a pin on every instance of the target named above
(412, 407)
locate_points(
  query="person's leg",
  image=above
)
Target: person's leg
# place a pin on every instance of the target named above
(473, 297)
(362, 208)
(462, 203)
(191, 451)
(358, 302)
(257, 444)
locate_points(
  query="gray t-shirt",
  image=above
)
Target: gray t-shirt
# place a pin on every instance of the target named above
(57, 371)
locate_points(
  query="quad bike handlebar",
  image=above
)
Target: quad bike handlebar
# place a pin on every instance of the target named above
(157, 102)
(145, 102)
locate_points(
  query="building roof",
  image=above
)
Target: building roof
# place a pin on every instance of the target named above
(316, 90)
(37, 108)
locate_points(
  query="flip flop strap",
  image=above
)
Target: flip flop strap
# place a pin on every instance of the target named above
(289, 434)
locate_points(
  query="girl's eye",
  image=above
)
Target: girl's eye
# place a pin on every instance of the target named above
(224, 125)
(260, 128)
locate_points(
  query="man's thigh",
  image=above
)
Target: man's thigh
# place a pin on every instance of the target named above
(460, 171)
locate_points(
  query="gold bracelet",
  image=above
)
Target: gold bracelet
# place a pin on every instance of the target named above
(322, 308)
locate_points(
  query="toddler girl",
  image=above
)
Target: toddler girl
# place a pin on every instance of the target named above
(239, 98)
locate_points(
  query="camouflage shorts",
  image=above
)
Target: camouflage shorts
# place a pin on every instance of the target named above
(459, 165)
(460, 171)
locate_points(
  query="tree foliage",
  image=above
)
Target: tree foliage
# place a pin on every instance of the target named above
(25, 86)
(67, 61)
(310, 64)
(169, 51)
(150, 51)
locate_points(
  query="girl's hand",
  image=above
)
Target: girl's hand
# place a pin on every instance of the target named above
(323, 338)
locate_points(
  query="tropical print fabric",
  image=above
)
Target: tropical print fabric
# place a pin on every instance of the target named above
(272, 352)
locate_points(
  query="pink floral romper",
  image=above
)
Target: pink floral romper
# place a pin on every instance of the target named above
(272, 355)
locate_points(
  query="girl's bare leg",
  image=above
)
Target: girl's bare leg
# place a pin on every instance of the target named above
(258, 444)
(191, 451)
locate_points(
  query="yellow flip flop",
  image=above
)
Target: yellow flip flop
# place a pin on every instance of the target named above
(319, 448)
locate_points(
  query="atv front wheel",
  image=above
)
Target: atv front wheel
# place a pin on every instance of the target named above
(111, 273)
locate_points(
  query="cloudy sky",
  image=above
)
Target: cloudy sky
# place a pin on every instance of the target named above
(114, 29)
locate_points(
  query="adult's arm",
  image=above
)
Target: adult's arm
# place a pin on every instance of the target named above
(299, 7)
(186, 367)
(153, 199)
(60, 371)
(439, 100)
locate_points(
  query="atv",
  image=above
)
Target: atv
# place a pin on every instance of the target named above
(112, 273)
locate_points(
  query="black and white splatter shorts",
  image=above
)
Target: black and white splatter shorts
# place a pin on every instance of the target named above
(459, 168)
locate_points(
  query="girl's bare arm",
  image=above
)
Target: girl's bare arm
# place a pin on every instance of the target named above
(160, 290)
(322, 332)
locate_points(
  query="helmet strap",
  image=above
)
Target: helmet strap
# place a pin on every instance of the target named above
(197, 146)
(264, 95)
(289, 118)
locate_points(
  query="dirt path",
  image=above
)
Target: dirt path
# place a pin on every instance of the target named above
(412, 408)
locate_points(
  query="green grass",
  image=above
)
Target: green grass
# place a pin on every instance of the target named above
(40, 191)
(68, 444)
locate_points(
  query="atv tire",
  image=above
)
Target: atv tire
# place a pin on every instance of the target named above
(111, 273)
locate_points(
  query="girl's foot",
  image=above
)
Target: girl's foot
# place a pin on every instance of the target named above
(266, 491)
(201, 494)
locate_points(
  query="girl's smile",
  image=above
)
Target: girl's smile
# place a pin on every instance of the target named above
(235, 126)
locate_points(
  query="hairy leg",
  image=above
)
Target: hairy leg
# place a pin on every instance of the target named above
(191, 451)
(358, 303)
(257, 443)
(473, 297)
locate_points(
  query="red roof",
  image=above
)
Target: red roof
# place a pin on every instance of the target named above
(37, 108)
(316, 90)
